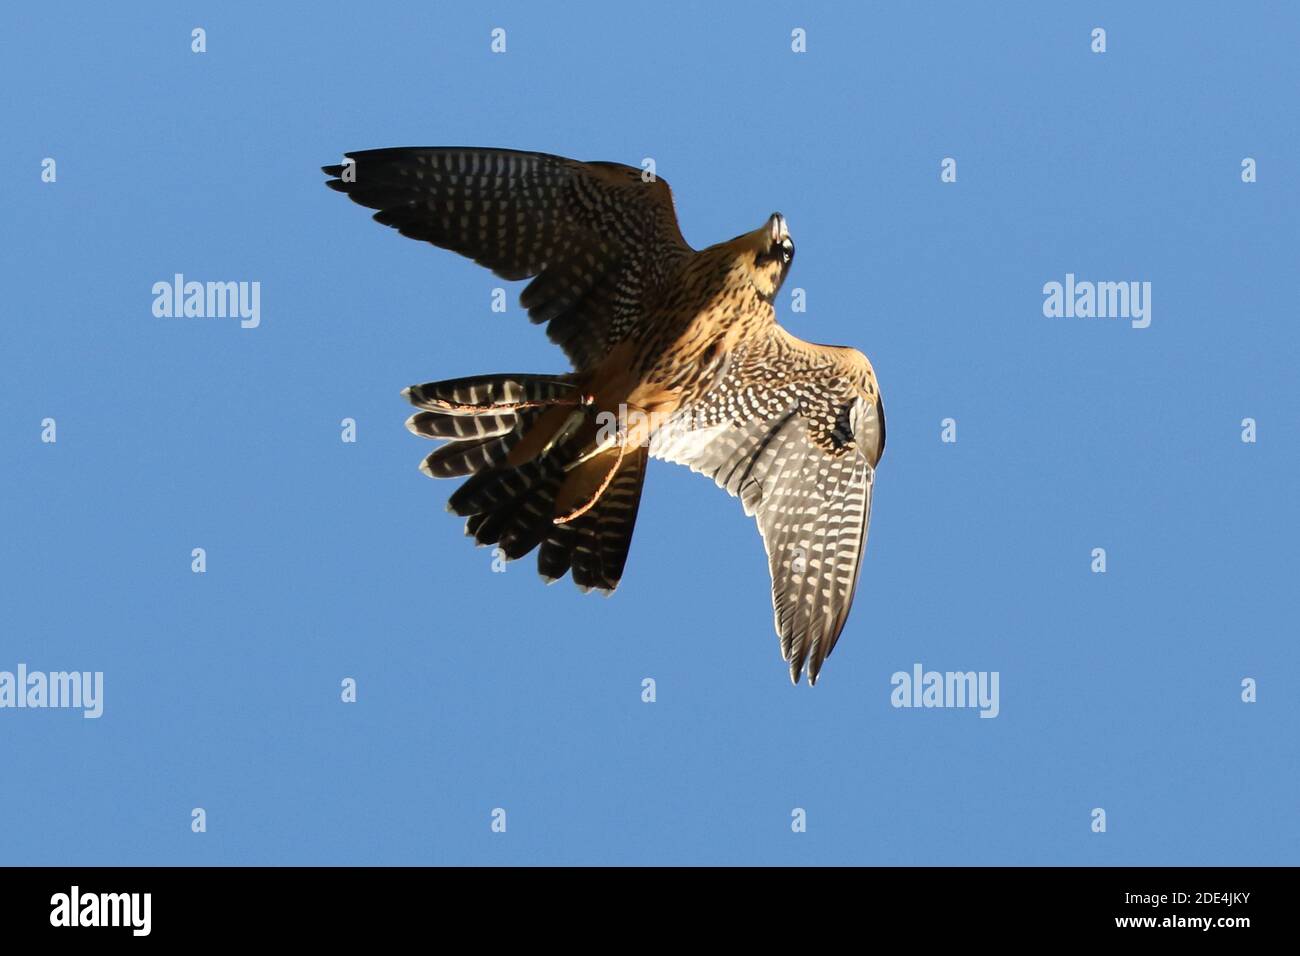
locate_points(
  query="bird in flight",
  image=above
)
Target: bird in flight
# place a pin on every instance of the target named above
(676, 355)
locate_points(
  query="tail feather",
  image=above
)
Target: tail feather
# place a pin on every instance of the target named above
(472, 525)
(459, 458)
(488, 393)
(555, 554)
(615, 514)
(490, 528)
(586, 568)
(513, 505)
(496, 488)
(530, 519)
(460, 427)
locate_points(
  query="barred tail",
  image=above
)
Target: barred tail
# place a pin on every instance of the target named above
(514, 437)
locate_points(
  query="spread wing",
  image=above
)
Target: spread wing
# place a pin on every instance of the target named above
(596, 238)
(795, 431)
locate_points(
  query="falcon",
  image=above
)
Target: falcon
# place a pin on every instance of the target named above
(676, 355)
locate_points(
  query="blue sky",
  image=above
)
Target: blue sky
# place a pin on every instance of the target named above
(479, 690)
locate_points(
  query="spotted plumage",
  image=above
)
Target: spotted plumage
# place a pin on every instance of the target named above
(676, 355)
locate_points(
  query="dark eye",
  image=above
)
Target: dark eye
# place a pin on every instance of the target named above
(787, 251)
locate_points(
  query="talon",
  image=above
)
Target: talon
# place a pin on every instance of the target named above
(619, 439)
(571, 424)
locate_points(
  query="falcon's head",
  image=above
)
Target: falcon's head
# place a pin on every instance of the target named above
(773, 251)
